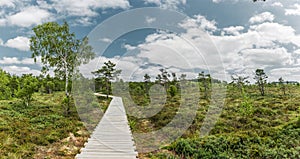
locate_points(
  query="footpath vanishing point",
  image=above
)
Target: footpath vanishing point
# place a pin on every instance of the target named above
(112, 138)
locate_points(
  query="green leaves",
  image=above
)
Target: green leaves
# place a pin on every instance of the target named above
(172, 90)
(59, 49)
(27, 88)
(261, 80)
(4, 82)
(105, 74)
(240, 146)
(54, 44)
(108, 71)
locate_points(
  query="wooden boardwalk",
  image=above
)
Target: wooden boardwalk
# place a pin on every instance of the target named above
(112, 138)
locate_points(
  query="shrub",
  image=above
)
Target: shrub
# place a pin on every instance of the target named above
(172, 90)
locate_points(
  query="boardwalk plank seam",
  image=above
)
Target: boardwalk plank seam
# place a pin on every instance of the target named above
(112, 137)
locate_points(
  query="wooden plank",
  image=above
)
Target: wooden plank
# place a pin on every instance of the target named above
(112, 137)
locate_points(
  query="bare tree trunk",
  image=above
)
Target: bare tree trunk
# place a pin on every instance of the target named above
(205, 89)
(107, 88)
(262, 90)
(66, 88)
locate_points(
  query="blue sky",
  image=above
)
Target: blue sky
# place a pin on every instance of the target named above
(240, 36)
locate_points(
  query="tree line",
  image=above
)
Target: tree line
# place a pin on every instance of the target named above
(23, 87)
(170, 81)
(61, 51)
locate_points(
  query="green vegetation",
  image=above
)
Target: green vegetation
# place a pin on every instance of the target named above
(28, 85)
(261, 80)
(39, 120)
(25, 130)
(4, 82)
(41, 129)
(105, 75)
(251, 125)
(36, 119)
(59, 49)
(255, 122)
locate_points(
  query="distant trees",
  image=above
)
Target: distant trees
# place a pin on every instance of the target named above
(5, 92)
(239, 81)
(204, 80)
(163, 77)
(23, 87)
(49, 87)
(261, 80)
(28, 86)
(174, 80)
(282, 85)
(147, 78)
(14, 85)
(106, 74)
(171, 86)
(182, 77)
(147, 81)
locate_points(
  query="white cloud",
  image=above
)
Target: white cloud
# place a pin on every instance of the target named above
(7, 3)
(30, 61)
(86, 8)
(275, 32)
(9, 60)
(216, 1)
(82, 21)
(242, 50)
(20, 70)
(129, 47)
(106, 40)
(29, 16)
(293, 11)
(20, 43)
(231, 48)
(167, 4)
(296, 40)
(15, 60)
(262, 17)
(277, 57)
(297, 51)
(150, 19)
(234, 30)
(288, 74)
(132, 68)
(277, 4)
(199, 22)
(169, 51)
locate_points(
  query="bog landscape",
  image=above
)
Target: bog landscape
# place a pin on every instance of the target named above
(156, 100)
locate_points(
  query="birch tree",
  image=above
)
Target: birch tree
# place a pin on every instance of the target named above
(60, 50)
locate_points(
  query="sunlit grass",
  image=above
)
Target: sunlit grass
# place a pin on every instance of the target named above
(254, 126)
(41, 130)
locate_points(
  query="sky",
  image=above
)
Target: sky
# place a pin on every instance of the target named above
(220, 37)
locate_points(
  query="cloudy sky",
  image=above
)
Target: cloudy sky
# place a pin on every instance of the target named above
(222, 37)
